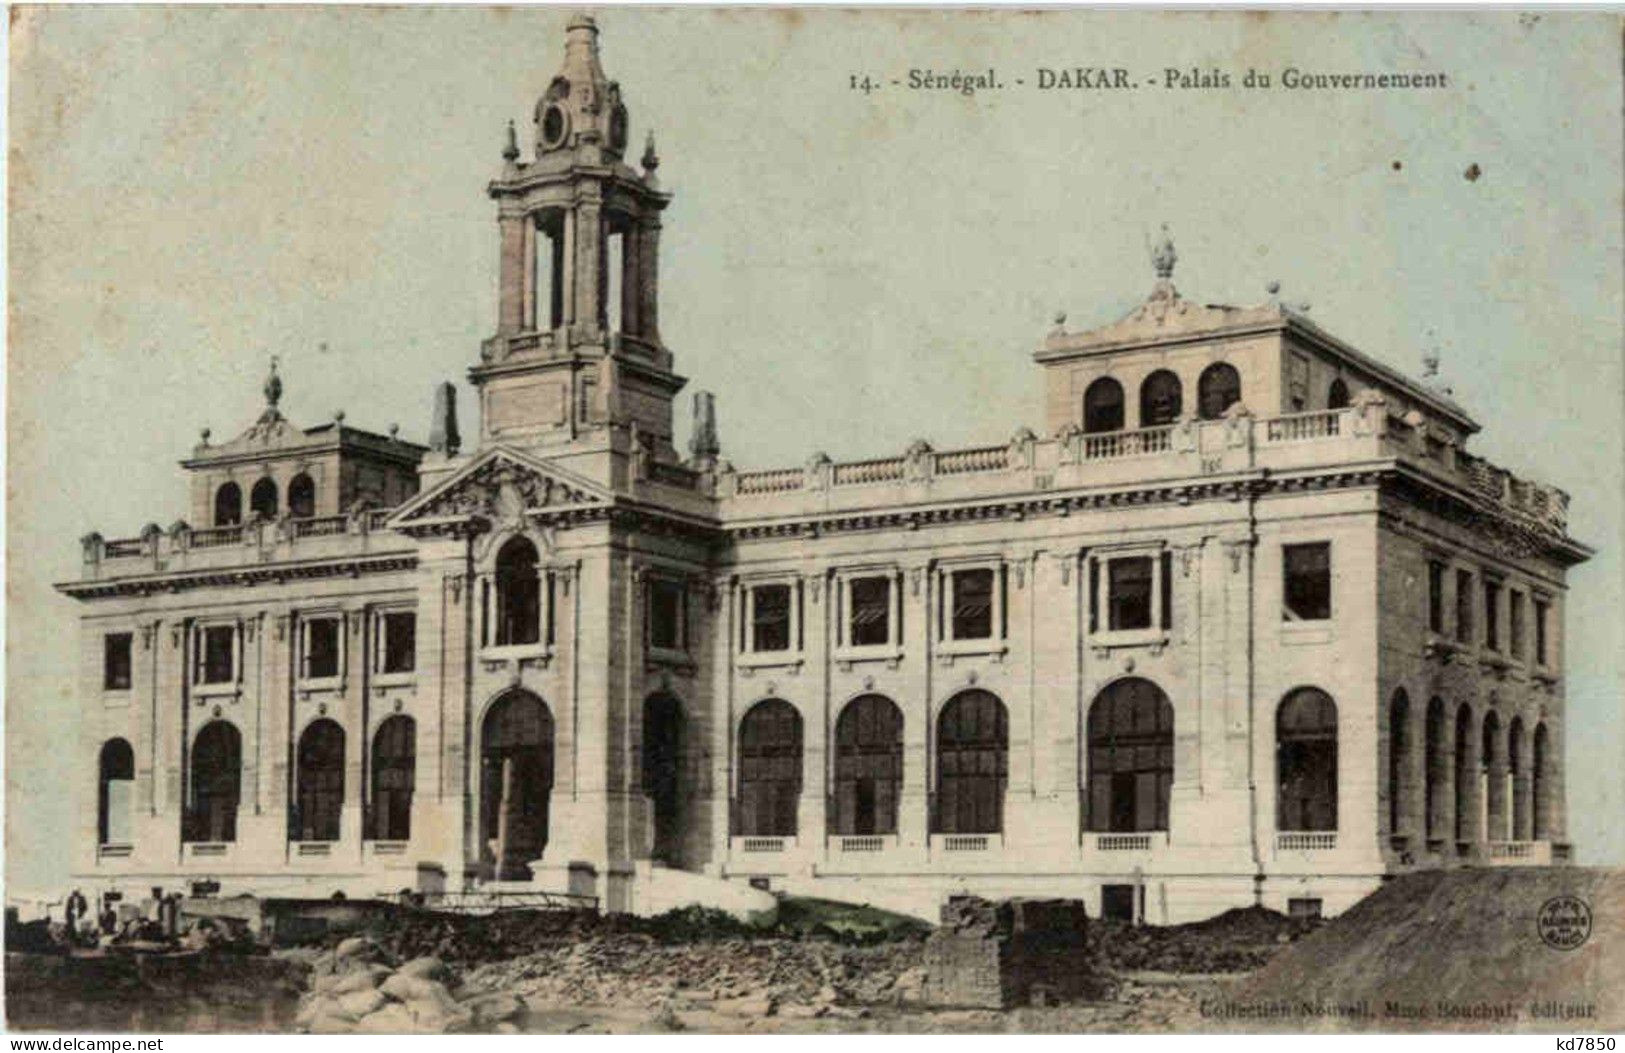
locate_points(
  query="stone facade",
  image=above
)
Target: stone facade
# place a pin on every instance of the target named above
(1246, 624)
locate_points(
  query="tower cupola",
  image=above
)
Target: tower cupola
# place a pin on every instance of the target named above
(581, 106)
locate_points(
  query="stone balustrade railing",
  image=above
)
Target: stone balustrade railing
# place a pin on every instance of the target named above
(1365, 421)
(257, 533)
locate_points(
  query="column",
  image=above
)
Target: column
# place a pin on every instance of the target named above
(648, 282)
(511, 264)
(589, 262)
(631, 281)
(528, 271)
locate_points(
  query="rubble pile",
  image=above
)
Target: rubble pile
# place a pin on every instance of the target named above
(358, 988)
(1237, 941)
(734, 976)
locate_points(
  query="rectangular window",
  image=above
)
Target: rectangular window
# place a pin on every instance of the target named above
(770, 618)
(398, 649)
(216, 657)
(1492, 615)
(1307, 570)
(972, 604)
(1541, 607)
(869, 619)
(116, 661)
(1515, 633)
(1464, 607)
(1436, 596)
(1128, 593)
(1306, 907)
(666, 615)
(321, 648)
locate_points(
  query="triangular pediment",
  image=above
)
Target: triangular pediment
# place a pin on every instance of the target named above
(500, 486)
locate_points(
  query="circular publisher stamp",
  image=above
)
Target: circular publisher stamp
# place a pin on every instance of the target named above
(1564, 922)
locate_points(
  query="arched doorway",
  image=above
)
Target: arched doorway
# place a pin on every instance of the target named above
(1465, 783)
(519, 594)
(1399, 748)
(1161, 399)
(394, 768)
(302, 496)
(216, 783)
(114, 785)
(1130, 763)
(769, 770)
(663, 728)
(1103, 406)
(1433, 768)
(516, 780)
(320, 793)
(973, 764)
(1540, 808)
(868, 767)
(1306, 761)
(262, 499)
(1217, 389)
(228, 505)
(1337, 396)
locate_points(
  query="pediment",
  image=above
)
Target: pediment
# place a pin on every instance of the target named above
(500, 486)
(1163, 315)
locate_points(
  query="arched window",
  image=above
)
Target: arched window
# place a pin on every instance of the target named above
(1218, 387)
(1518, 781)
(1161, 399)
(868, 766)
(516, 783)
(973, 764)
(302, 496)
(115, 782)
(769, 770)
(1337, 396)
(663, 732)
(216, 783)
(1492, 780)
(1540, 780)
(1103, 406)
(1433, 761)
(394, 770)
(319, 782)
(1306, 761)
(263, 499)
(1399, 748)
(1464, 772)
(228, 505)
(519, 594)
(1130, 763)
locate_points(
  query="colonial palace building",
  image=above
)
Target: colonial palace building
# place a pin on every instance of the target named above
(1247, 623)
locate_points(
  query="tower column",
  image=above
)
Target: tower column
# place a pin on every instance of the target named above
(528, 248)
(589, 262)
(510, 310)
(648, 257)
(631, 281)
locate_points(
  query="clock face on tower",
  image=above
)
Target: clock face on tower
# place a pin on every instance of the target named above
(555, 126)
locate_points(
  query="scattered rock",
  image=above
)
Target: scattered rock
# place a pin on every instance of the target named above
(392, 1018)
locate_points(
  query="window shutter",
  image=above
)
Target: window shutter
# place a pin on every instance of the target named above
(1167, 587)
(1094, 594)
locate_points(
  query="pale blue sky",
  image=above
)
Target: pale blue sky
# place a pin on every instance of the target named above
(194, 189)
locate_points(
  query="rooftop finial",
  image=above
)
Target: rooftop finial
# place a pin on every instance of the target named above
(1163, 257)
(704, 444)
(510, 151)
(651, 160)
(273, 386)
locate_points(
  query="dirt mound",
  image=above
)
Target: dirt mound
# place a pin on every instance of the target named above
(1238, 940)
(1457, 950)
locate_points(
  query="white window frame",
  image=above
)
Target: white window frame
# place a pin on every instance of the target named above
(746, 642)
(227, 687)
(548, 578)
(1103, 557)
(942, 629)
(302, 657)
(657, 576)
(380, 639)
(845, 649)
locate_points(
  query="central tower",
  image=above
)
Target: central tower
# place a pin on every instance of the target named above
(576, 366)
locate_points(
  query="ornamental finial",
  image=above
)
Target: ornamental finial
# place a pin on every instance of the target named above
(651, 160)
(510, 150)
(273, 386)
(1163, 257)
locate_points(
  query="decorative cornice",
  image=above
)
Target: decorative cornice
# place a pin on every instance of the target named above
(237, 577)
